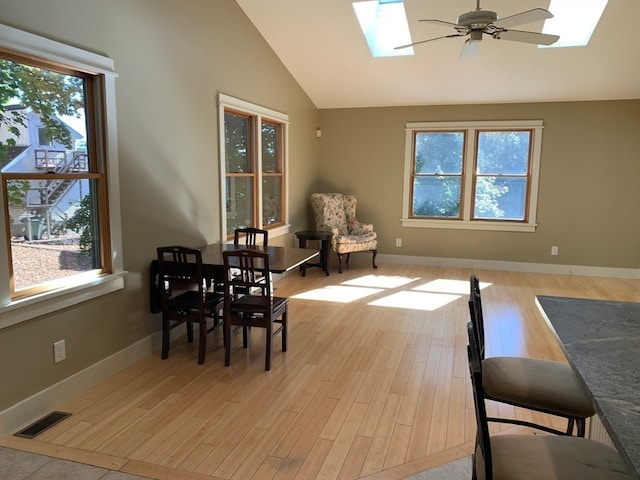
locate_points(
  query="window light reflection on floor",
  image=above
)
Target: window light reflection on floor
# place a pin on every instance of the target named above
(338, 293)
(416, 300)
(381, 281)
(443, 285)
(401, 292)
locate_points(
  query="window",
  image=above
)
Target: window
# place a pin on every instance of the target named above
(58, 176)
(481, 175)
(254, 156)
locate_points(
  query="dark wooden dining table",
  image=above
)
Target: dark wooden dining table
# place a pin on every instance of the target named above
(281, 259)
(601, 339)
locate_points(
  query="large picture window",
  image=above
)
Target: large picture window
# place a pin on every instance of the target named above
(476, 176)
(253, 156)
(58, 172)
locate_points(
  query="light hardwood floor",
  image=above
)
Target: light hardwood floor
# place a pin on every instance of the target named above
(375, 384)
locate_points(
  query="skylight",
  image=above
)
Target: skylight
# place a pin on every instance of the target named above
(573, 21)
(384, 25)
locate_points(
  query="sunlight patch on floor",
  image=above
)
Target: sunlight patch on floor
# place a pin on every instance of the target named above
(380, 281)
(338, 293)
(416, 300)
(428, 296)
(444, 285)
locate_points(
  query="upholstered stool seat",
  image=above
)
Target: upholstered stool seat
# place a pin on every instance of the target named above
(543, 385)
(551, 457)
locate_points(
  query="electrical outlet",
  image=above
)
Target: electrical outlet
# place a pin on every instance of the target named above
(554, 250)
(398, 242)
(59, 351)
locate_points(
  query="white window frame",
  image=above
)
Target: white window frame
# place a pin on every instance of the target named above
(228, 102)
(466, 222)
(84, 287)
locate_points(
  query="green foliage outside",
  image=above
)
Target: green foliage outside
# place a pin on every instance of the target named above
(46, 92)
(82, 222)
(502, 163)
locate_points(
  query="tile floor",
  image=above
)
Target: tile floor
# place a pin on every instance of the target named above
(19, 465)
(458, 470)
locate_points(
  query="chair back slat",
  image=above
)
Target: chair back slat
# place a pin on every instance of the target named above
(247, 271)
(179, 269)
(250, 237)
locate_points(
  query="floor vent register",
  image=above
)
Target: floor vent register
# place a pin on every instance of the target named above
(41, 425)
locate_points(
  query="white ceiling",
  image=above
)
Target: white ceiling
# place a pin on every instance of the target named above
(321, 44)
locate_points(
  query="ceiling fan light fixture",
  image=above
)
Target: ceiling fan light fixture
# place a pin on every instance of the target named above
(475, 36)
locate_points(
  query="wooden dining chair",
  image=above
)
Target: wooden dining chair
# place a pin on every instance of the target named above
(535, 384)
(528, 457)
(184, 297)
(250, 237)
(248, 271)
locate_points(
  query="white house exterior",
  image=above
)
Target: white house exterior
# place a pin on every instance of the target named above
(48, 202)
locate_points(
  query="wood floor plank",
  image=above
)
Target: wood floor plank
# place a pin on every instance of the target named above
(369, 388)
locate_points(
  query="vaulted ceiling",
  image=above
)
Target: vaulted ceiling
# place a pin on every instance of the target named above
(321, 44)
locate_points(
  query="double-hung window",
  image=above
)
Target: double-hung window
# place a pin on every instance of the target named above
(58, 176)
(480, 175)
(254, 156)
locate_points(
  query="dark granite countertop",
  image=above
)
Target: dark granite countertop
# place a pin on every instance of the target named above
(601, 339)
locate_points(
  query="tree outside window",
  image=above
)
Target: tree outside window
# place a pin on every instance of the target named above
(483, 174)
(51, 183)
(254, 167)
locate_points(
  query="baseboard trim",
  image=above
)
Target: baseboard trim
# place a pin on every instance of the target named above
(25, 412)
(610, 272)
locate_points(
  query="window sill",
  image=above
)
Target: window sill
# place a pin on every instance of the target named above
(25, 309)
(467, 225)
(279, 231)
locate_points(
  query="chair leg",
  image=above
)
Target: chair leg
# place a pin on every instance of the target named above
(267, 359)
(340, 262)
(189, 332)
(166, 332)
(227, 343)
(581, 423)
(202, 342)
(284, 331)
(373, 261)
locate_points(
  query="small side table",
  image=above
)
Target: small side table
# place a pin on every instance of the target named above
(325, 238)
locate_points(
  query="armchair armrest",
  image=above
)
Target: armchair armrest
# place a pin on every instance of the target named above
(357, 228)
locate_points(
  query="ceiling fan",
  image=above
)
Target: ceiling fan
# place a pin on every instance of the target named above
(479, 22)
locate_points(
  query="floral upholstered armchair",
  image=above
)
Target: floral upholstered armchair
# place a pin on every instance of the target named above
(336, 212)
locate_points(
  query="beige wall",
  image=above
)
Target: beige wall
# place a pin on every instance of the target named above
(172, 57)
(589, 196)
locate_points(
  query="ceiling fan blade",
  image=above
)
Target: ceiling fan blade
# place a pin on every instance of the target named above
(429, 40)
(527, 37)
(523, 17)
(469, 49)
(438, 22)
